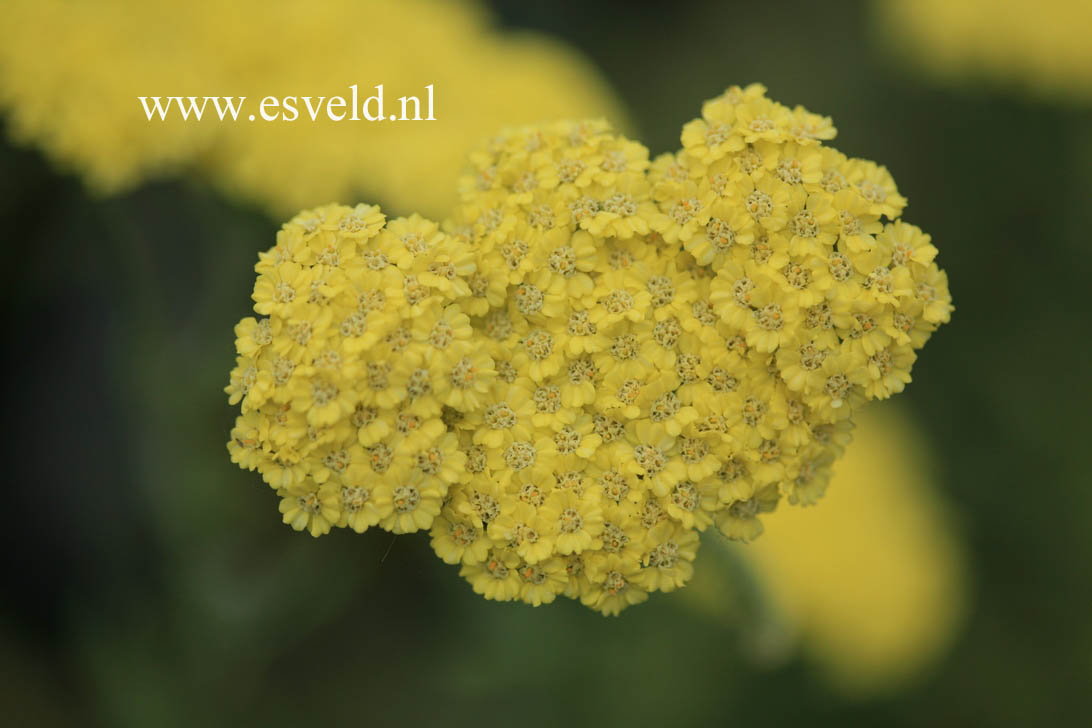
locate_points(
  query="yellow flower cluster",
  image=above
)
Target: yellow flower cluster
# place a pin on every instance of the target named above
(640, 349)
(79, 100)
(343, 380)
(1039, 44)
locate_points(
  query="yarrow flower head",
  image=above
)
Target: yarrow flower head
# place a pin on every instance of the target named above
(344, 379)
(597, 358)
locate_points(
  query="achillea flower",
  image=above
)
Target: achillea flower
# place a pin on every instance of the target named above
(1039, 45)
(79, 102)
(361, 357)
(568, 426)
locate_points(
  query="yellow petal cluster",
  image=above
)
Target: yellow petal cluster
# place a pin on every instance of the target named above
(653, 347)
(1041, 45)
(71, 74)
(342, 382)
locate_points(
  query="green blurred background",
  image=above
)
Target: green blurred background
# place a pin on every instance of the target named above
(150, 583)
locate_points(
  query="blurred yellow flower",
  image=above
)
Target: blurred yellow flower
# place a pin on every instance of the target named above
(873, 579)
(1040, 45)
(71, 74)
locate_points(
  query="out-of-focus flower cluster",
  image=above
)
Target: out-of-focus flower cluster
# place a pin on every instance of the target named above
(71, 74)
(875, 616)
(1041, 45)
(600, 358)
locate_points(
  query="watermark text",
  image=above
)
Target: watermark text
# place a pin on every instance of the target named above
(293, 108)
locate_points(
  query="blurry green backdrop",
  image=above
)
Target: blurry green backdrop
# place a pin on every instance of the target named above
(149, 581)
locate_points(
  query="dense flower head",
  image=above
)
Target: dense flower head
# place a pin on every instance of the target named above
(645, 349)
(343, 378)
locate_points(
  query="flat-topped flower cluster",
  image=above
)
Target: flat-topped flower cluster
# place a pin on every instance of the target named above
(597, 356)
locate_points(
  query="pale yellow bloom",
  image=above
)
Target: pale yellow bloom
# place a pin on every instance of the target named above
(569, 426)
